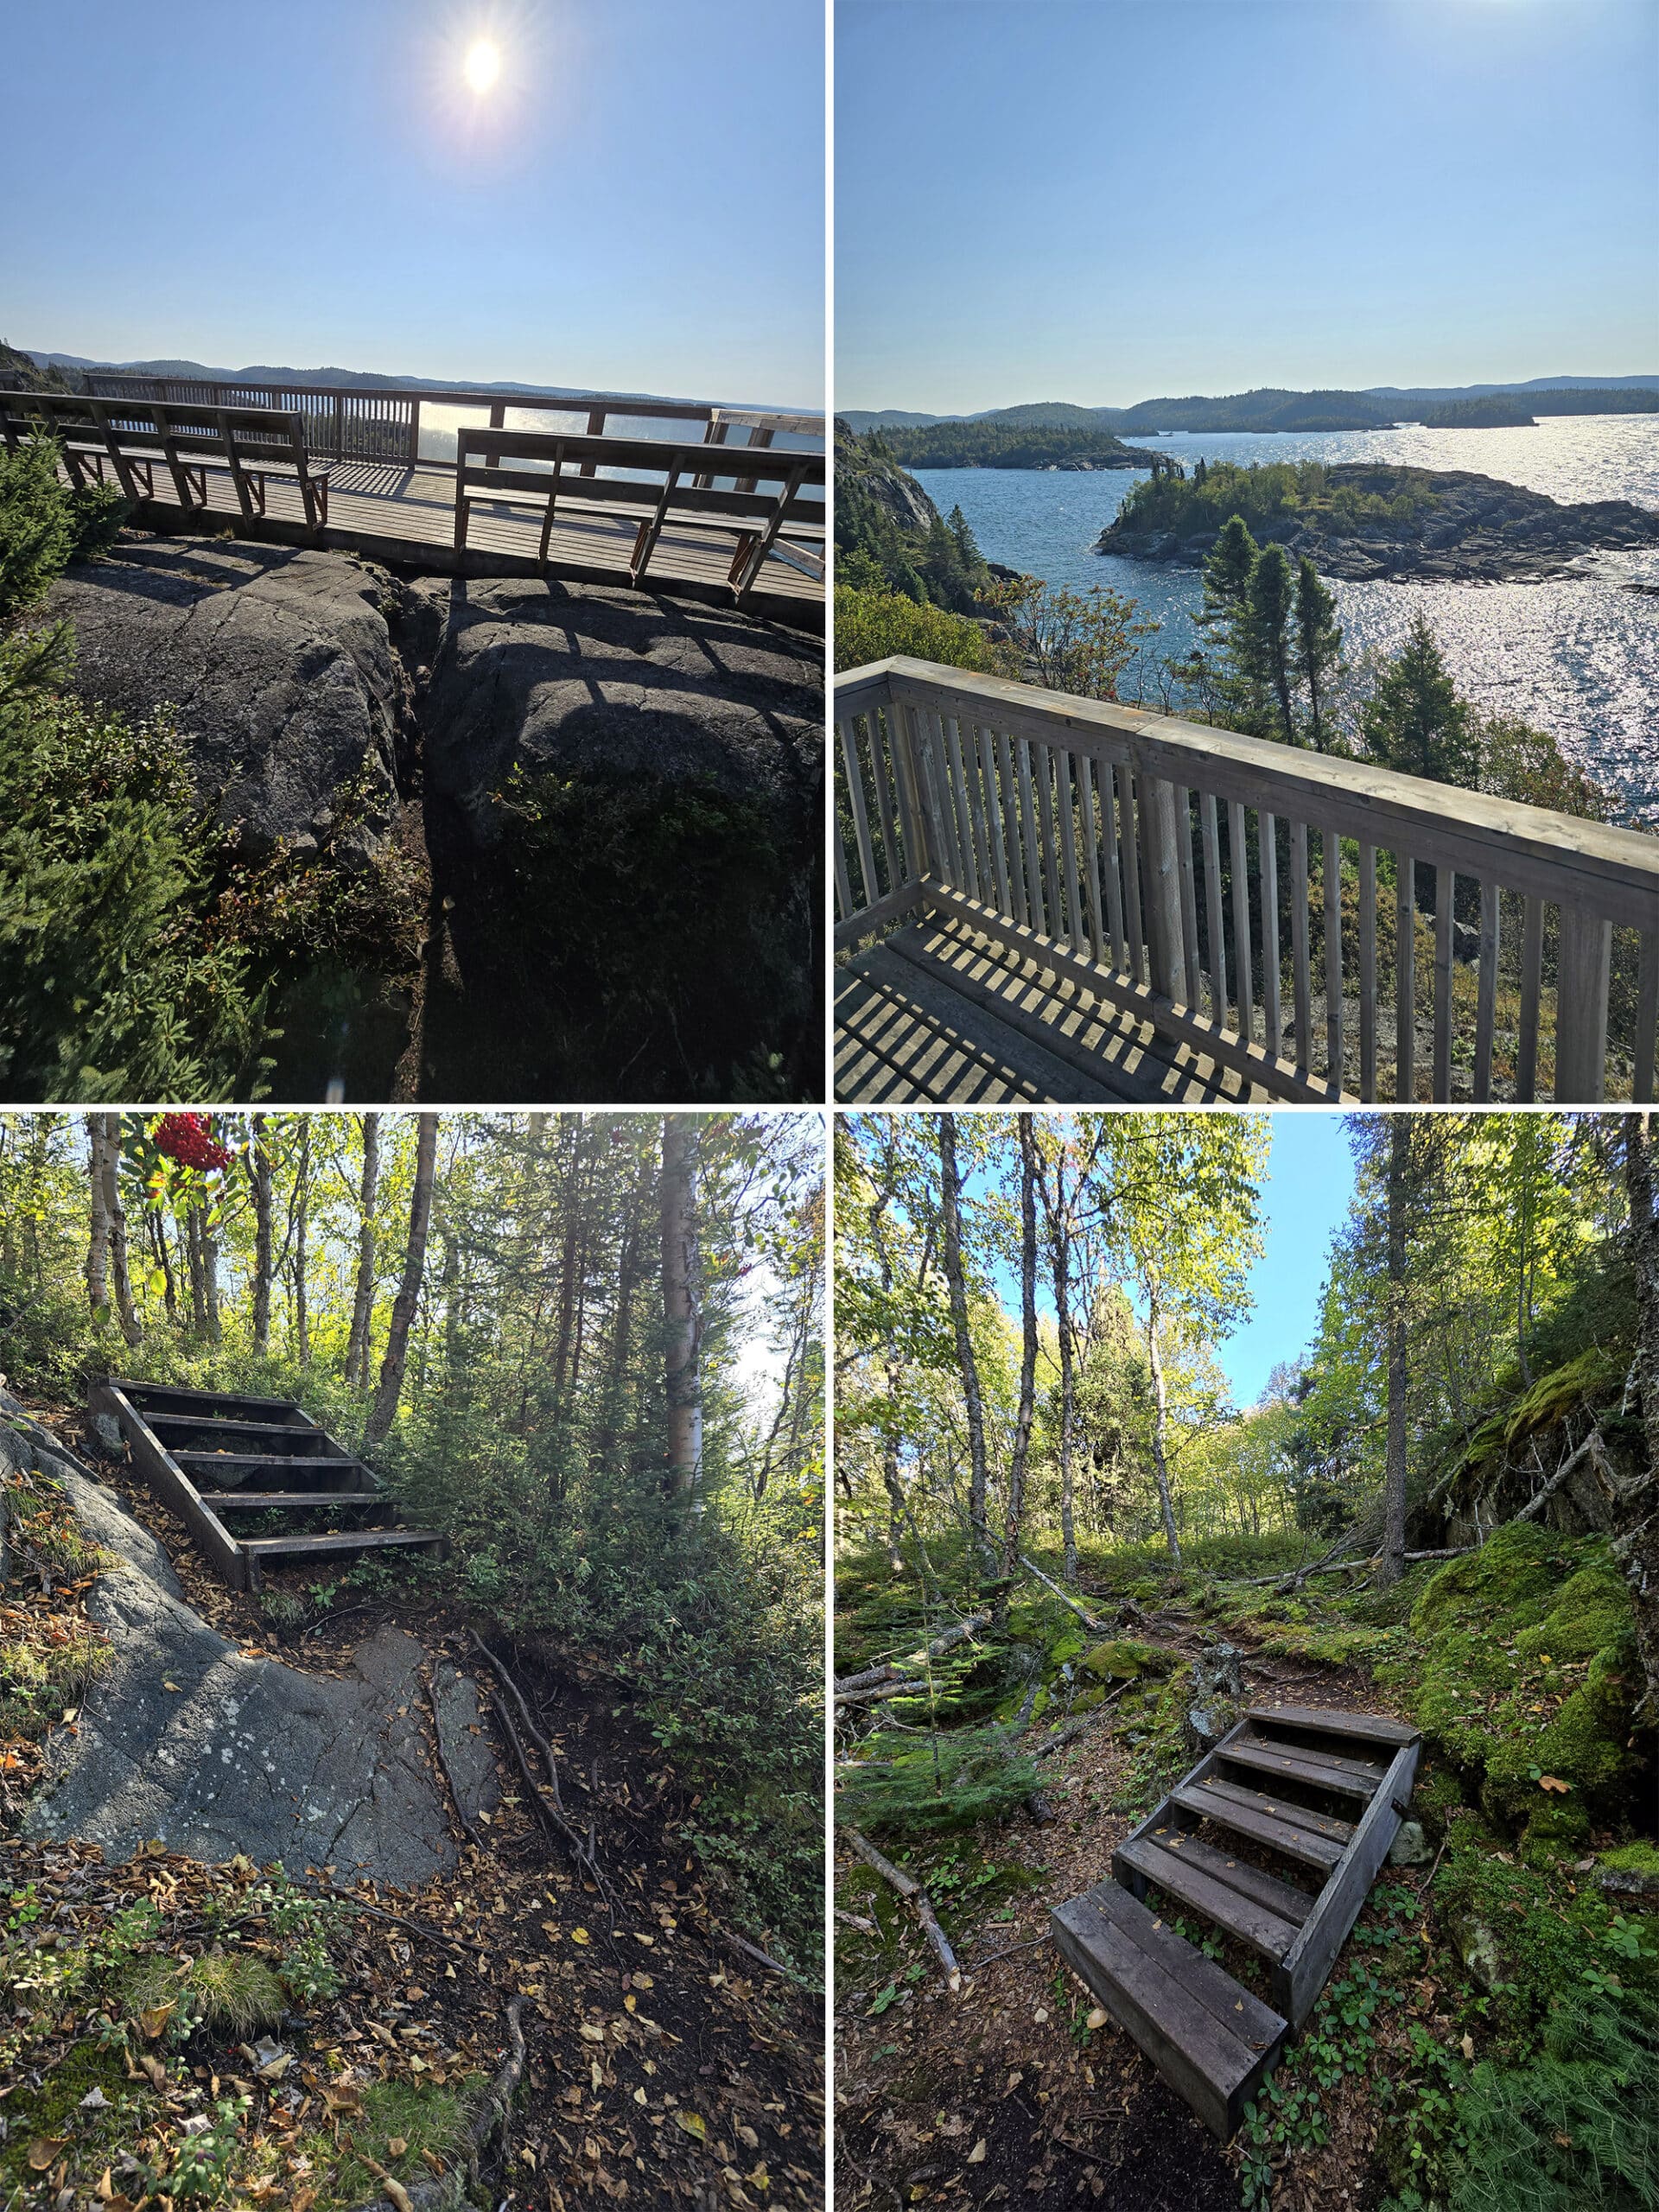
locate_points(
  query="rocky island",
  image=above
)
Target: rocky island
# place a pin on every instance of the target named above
(1370, 521)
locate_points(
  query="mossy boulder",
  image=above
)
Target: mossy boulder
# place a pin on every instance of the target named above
(1591, 1611)
(1122, 1660)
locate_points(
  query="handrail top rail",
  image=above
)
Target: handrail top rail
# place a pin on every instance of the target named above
(763, 462)
(618, 402)
(80, 406)
(1629, 858)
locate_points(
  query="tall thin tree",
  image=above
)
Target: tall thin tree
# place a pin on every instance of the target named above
(357, 1344)
(967, 1364)
(682, 1320)
(403, 1306)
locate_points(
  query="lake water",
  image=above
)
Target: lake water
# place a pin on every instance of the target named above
(1578, 657)
(440, 422)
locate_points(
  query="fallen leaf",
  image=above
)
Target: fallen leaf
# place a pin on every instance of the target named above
(173, 1686)
(397, 2147)
(580, 1935)
(693, 2123)
(1550, 1782)
(156, 2017)
(591, 2034)
(1467, 2046)
(977, 2156)
(746, 2136)
(44, 2149)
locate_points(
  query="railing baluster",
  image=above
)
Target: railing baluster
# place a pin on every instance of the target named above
(993, 816)
(1486, 1012)
(1238, 852)
(944, 858)
(861, 819)
(911, 818)
(1446, 884)
(1162, 826)
(1267, 832)
(845, 902)
(1193, 965)
(1120, 959)
(1334, 1050)
(1065, 771)
(1646, 1019)
(1092, 860)
(1011, 817)
(1028, 835)
(1129, 845)
(1044, 770)
(1300, 990)
(1216, 929)
(1368, 974)
(1583, 961)
(883, 798)
(1532, 992)
(1405, 960)
(960, 809)
(963, 808)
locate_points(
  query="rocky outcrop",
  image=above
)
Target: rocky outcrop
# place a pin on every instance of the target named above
(1463, 528)
(861, 473)
(186, 1740)
(276, 664)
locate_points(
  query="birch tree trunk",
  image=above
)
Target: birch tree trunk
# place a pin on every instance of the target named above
(97, 1234)
(1021, 1453)
(409, 1290)
(1393, 1485)
(1160, 1421)
(681, 1286)
(259, 1178)
(950, 1214)
(1068, 1401)
(115, 1214)
(357, 1344)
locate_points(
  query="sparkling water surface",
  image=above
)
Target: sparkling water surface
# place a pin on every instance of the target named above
(1579, 656)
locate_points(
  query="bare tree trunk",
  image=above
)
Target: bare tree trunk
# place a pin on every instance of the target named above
(1060, 1230)
(629, 1272)
(156, 1229)
(115, 1215)
(950, 1213)
(259, 1178)
(409, 1290)
(302, 1210)
(1392, 1565)
(98, 1236)
(1636, 1548)
(570, 1209)
(1021, 1453)
(192, 1260)
(681, 1321)
(1160, 1424)
(210, 1273)
(357, 1344)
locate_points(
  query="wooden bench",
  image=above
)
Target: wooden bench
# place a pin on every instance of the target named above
(131, 437)
(671, 482)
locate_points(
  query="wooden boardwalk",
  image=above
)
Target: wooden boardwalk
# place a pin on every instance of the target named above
(1274, 1838)
(389, 512)
(937, 1014)
(210, 1455)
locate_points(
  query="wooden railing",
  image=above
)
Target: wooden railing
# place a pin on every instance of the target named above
(367, 422)
(1295, 916)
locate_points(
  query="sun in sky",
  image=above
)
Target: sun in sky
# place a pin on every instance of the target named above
(482, 66)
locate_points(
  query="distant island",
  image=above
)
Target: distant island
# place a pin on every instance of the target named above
(997, 444)
(1365, 520)
(1274, 409)
(1498, 410)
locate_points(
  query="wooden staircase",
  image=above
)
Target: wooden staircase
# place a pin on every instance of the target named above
(1315, 1798)
(211, 1457)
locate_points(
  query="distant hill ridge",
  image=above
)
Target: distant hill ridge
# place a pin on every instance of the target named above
(375, 379)
(1270, 408)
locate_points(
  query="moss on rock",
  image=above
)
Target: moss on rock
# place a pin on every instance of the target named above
(1123, 1660)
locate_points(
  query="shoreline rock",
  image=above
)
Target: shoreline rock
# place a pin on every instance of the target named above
(1469, 529)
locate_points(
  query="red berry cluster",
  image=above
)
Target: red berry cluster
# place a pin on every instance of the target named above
(189, 1139)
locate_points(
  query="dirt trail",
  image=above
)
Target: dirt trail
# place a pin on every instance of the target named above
(1065, 2115)
(661, 2063)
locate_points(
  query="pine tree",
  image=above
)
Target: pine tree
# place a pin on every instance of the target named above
(1319, 644)
(1265, 632)
(1414, 722)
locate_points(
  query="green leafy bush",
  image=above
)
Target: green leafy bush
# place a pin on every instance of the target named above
(875, 624)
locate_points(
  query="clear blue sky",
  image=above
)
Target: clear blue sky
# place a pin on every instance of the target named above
(1310, 1180)
(637, 206)
(1107, 201)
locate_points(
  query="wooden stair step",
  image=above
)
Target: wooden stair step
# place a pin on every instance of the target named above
(199, 1422)
(1346, 1777)
(285, 1461)
(1326, 1824)
(141, 1392)
(259, 1501)
(1357, 1727)
(1281, 1898)
(1211, 2039)
(345, 1539)
(1263, 1821)
(1264, 1932)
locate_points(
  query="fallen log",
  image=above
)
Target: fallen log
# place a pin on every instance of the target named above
(941, 1644)
(1094, 1627)
(880, 1690)
(914, 1895)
